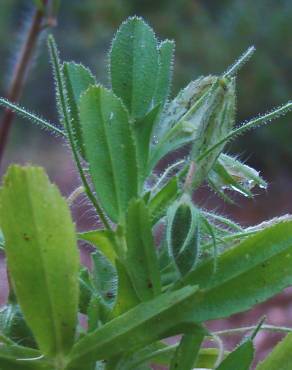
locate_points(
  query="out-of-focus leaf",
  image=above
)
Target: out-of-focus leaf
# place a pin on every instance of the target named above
(280, 357)
(142, 261)
(43, 258)
(77, 80)
(110, 149)
(251, 272)
(134, 65)
(142, 325)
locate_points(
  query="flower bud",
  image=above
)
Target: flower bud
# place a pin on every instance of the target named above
(183, 234)
(212, 120)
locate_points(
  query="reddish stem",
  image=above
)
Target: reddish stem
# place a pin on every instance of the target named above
(20, 73)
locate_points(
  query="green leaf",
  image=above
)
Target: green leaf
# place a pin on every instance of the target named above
(143, 134)
(280, 357)
(85, 290)
(126, 296)
(102, 239)
(110, 149)
(94, 313)
(42, 254)
(166, 56)
(186, 354)
(249, 273)
(182, 234)
(77, 79)
(159, 203)
(140, 326)
(134, 66)
(240, 359)
(104, 279)
(141, 259)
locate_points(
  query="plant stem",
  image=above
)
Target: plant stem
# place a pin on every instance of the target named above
(66, 120)
(20, 73)
(282, 329)
(189, 178)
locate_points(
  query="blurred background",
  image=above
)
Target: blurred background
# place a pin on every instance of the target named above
(209, 36)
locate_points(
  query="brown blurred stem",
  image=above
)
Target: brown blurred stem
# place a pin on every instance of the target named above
(20, 71)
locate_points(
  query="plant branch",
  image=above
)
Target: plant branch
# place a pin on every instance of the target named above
(20, 73)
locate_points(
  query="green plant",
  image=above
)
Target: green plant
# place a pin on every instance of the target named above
(137, 293)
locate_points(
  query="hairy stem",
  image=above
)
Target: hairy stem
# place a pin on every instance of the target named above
(189, 178)
(272, 328)
(20, 73)
(66, 120)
